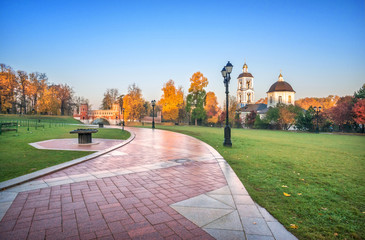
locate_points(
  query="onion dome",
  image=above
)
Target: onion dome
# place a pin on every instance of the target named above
(245, 72)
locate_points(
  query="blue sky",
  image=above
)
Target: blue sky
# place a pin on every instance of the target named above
(95, 45)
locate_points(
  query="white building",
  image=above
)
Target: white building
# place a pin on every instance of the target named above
(280, 92)
(245, 91)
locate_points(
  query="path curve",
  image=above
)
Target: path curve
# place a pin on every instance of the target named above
(162, 185)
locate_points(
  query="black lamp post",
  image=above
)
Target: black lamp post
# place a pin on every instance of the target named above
(226, 73)
(317, 116)
(123, 118)
(153, 113)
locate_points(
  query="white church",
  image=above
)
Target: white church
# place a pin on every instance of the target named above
(279, 92)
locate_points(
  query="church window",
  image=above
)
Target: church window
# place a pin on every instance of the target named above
(248, 84)
(248, 97)
(270, 99)
(289, 99)
(280, 99)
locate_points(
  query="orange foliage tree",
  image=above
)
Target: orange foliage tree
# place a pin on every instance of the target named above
(8, 84)
(262, 100)
(171, 101)
(211, 107)
(325, 102)
(133, 103)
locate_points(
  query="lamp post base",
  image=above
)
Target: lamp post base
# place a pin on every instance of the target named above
(227, 137)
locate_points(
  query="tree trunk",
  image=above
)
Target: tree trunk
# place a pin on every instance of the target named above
(196, 122)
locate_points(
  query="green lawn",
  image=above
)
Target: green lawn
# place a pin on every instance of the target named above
(43, 118)
(324, 174)
(17, 157)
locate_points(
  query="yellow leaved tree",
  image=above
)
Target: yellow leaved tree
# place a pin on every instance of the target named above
(172, 100)
(133, 103)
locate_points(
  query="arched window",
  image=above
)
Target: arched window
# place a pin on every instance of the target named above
(289, 99)
(280, 99)
(270, 99)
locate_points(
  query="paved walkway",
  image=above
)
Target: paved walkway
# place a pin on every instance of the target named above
(162, 185)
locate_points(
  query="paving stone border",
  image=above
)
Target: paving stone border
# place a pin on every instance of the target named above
(25, 178)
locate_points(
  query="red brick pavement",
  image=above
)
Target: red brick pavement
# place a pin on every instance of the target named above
(131, 206)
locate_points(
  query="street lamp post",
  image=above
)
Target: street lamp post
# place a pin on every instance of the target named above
(226, 73)
(153, 113)
(123, 119)
(317, 110)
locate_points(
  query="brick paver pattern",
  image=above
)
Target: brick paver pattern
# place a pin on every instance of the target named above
(128, 206)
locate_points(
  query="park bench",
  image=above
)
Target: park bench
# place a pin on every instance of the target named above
(8, 126)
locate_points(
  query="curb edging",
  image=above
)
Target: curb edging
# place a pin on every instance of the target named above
(40, 173)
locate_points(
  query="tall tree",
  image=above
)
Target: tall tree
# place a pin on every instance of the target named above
(22, 78)
(359, 112)
(8, 84)
(211, 107)
(171, 101)
(341, 114)
(64, 93)
(133, 103)
(196, 97)
(37, 83)
(110, 97)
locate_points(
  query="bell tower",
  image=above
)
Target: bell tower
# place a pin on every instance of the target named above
(245, 90)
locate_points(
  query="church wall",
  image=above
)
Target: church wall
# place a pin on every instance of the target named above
(275, 98)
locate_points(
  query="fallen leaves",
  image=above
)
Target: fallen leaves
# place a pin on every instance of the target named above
(284, 186)
(299, 194)
(286, 194)
(294, 226)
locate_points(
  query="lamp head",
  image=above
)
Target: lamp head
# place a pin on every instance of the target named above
(229, 67)
(224, 72)
(153, 103)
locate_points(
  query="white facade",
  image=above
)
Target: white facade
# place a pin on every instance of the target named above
(280, 92)
(245, 90)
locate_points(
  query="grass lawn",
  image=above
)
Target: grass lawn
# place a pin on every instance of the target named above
(324, 175)
(17, 157)
(43, 118)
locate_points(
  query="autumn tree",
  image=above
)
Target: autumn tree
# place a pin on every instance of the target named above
(64, 94)
(262, 100)
(49, 102)
(8, 85)
(211, 107)
(37, 84)
(171, 101)
(133, 103)
(359, 113)
(341, 114)
(325, 102)
(110, 97)
(196, 97)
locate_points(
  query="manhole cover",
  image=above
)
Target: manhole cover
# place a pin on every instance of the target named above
(181, 160)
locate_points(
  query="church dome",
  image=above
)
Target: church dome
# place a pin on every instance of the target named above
(245, 74)
(281, 87)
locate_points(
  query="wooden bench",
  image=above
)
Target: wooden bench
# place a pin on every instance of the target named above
(8, 126)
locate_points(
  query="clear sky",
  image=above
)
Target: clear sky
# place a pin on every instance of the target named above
(95, 45)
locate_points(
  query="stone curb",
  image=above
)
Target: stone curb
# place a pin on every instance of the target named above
(31, 176)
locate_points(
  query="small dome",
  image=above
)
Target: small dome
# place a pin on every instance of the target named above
(245, 74)
(245, 65)
(281, 87)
